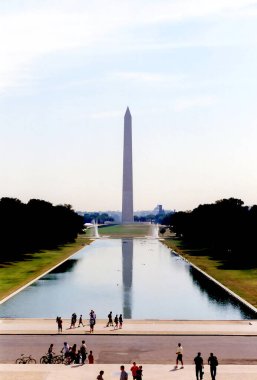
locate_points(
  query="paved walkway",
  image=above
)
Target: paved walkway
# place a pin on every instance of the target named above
(49, 326)
(111, 372)
(131, 327)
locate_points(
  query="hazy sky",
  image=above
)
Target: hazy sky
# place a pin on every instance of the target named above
(186, 68)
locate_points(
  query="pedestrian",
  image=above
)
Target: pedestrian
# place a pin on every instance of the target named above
(90, 358)
(179, 352)
(123, 373)
(80, 321)
(100, 376)
(213, 362)
(65, 349)
(198, 366)
(91, 323)
(50, 353)
(120, 321)
(94, 315)
(83, 351)
(59, 324)
(133, 370)
(73, 320)
(139, 373)
(73, 353)
(116, 321)
(110, 322)
(78, 358)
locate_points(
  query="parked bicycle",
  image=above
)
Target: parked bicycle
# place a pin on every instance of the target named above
(26, 360)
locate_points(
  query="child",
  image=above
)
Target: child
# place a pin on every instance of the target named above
(90, 358)
(80, 321)
(100, 376)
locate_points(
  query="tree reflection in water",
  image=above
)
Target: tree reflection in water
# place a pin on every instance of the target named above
(217, 294)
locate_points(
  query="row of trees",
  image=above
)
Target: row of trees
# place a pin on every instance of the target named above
(226, 228)
(34, 226)
(100, 217)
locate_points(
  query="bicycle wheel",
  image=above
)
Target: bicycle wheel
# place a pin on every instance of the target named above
(44, 360)
(19, 361)
(57, 359)
(66, 361)
(32, 361)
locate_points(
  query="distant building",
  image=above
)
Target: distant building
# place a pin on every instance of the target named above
(158, 210)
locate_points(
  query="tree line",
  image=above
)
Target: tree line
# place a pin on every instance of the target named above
(99, 217)
(226, 228)
(35, 226)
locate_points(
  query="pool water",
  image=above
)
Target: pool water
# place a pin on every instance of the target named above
(139, 278)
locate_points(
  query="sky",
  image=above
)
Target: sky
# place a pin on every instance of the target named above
(187, 71)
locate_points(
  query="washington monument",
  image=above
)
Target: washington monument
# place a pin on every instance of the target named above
(127, 188)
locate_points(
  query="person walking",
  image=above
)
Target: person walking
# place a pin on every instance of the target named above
(110, 321)
(116, 321)
(198, 366)
(213, 362)
(83, 351)
(179, 352)
(133, 370)
(123, 373)
(73, 320)
(120, 321)
(80, 321)
(100, 376)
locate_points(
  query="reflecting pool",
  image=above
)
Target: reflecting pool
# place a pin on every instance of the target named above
(140, 278)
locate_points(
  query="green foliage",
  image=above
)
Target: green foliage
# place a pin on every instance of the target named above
(227, 228)
(34, 226)
(101, 218)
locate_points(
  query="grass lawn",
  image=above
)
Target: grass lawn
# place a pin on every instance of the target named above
(241, 281)
(17, 274)
(125, 230)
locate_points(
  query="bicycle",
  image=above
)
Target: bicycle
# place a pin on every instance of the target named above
(25, 360)
(62, 359)
(57, 359)
(46, 359)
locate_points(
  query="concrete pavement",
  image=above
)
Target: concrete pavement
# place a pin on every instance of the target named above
(132, 327)
(112, 372)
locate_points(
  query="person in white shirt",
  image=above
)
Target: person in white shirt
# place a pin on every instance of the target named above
(179, 352)
(65, 349)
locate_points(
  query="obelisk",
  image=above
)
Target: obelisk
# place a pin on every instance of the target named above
(127, 188)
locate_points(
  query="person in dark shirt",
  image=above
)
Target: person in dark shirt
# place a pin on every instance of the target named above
(198, 366)
(120, 321)
(213, 362)
(50, 353)
(139, 373)
(110, 321)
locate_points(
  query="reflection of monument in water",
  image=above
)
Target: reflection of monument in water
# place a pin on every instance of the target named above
(127, 274)
(127, 188)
